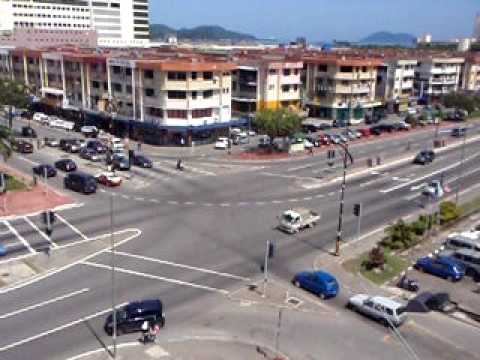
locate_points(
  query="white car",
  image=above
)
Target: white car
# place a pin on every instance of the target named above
(307, 144)
(221, 143)
(108, 178)
(89, 130)
(67, 125)
(41, 118)
(434, 189)
(55, 122)
(251, 133)
(385, 310)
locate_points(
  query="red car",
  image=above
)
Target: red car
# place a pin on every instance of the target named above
(324, 139)
(108, 179)
(365, 132)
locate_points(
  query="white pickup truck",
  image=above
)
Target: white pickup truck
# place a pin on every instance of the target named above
(294, 220)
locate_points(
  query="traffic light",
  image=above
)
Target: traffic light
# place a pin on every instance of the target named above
(357, 209)
(271, 250)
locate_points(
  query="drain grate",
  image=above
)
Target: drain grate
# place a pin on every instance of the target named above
(294, 301)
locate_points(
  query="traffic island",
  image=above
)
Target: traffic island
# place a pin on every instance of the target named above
(197, 348)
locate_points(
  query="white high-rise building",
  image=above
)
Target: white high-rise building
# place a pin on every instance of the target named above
(476, 30)
(116, 23)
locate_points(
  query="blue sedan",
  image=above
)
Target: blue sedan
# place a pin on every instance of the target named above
(3, 250)
(443, 266)
(319, 283)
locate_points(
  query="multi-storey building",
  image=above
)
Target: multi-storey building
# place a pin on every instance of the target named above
(471, 73)
(43, 23)
(340, 87)
(395, 83)
(437, 75)
(264, 81)
(180, 94)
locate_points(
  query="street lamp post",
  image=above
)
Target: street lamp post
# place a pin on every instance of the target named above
(462, 167)
(114, 312)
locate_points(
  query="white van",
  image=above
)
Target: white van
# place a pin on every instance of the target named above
(41, 118)
(467, 240)
(385, 310)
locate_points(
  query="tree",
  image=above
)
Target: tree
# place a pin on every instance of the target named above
(399, 236)
(14, 94)
(448, 212)
(5, 145)
(277, 123)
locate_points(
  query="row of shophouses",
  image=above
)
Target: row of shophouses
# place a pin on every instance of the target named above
(167, 94)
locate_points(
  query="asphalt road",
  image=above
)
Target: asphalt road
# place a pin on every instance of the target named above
(203, 234)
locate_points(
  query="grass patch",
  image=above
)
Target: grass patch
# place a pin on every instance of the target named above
(470, 207)
(474, 114)
(13, 184)
(394, 265)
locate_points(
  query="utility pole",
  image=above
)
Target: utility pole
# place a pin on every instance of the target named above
(346, 155)
(265, 269)
(114, 312)
(45, 175)
(462, 167)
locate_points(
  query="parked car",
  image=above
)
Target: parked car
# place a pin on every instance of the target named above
(314, 140)
(142, 161)
(40, 118)
(442, 266)
(70, 145)
(89, 131)
(459, 132)
(307, 144)
(319, 283)
(324, 139)
(350, 135)
(222, 143)
(424, 157)
(385, 310)
(43, 169)
(22, 146)
(97, 146)
(309, 128)
(66, 165)
(465, 240)
(402, 126)
(365, 132)
(51, 142)
(108, 178)
(264, 141)
(3, 250)
(90, 154)
(29, 132)
(120, 162)
(376, 130)
(80, 182)
(470, 259)
(131, 317)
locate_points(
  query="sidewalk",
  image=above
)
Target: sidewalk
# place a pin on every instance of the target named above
(189, 349)
(35, 199)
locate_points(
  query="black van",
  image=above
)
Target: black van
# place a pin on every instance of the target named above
(80, 182)
(131, 317)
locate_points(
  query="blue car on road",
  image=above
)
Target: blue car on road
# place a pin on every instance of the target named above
(3, 250)
(319, 283)
(442, 266)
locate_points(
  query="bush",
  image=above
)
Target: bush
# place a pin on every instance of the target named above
(399, 236)
(448, 212)
(376, 259)
(419, 227)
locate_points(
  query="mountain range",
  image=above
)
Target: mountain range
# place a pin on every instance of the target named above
(389, 39)
(204, 32)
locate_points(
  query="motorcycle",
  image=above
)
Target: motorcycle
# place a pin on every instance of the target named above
(408, 284)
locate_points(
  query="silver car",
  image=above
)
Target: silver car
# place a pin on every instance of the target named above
(385, 310)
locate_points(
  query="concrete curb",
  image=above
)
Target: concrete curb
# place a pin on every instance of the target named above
(225, 339)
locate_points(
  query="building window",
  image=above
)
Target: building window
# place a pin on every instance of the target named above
(208, 75)
(129, 89)
(194, 94)
(201, 113)
(148, 74)
(177, 76)
(177, 94)
(149, 92)
(285, 88)
(208, 94)
(194, 76)
(128, 71)
(286, 72)
(346, 69)
(117, 87)
(177, 114)
(155, 112)
(271, 87)
(116, 69)
(272, 71)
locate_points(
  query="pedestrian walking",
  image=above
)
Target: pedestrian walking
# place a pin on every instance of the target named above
(145, 332)
(182, 141)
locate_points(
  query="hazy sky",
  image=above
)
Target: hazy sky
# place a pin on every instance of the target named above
(322, 19)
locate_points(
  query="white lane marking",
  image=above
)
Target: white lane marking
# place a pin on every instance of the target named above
(419, 186)
(155, 277)
(319, 196)
(277, 201)
(331, 193)
(371, 182)
(171, 202)
(293, 200)
(154, 201)
(7, 289)
(139, 199)
(243, 204)
(301, 167)
(463, 175)
(12, 244)
(57, 329)
(31, 162)
(43, 303)
(125, 196)
(408, 183)
(102, 190)
(411, 197)
(189, 203)
(74, 229)
(208, 204)
(307, 198)
(260, 203)
(225, 205)
(19, 237)
(45, 236)
(89, 354)
(183, 266)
